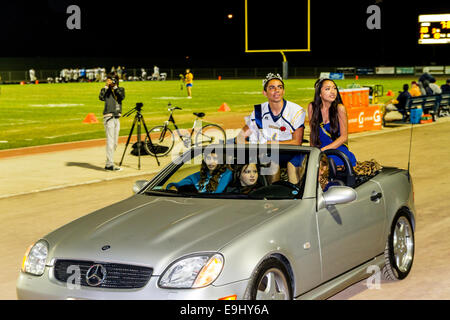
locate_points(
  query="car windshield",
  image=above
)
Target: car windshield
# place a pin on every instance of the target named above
(236, 172)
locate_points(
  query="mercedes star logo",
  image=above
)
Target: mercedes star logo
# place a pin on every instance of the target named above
(96, 275)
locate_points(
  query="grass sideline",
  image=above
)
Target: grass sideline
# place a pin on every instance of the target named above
(32, 115)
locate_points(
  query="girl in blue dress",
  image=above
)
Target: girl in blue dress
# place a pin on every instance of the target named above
(212, 177)
(328, 126)
(328, 120)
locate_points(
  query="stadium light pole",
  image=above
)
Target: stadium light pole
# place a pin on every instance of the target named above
(284, 66)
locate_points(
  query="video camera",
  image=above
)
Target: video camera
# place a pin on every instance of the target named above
(137, 108)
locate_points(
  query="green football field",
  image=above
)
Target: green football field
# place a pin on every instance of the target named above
(41, 114)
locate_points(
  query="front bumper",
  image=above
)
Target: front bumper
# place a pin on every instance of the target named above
(46, 287)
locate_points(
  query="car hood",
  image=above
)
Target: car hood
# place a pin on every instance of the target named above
(153, 231)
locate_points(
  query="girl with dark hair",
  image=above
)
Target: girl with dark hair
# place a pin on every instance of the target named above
(328, 120)
(328, 126)
(245, 179)
(212, 177)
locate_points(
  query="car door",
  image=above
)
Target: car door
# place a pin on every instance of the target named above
(350, 234)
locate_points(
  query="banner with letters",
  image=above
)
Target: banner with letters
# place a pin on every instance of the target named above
(364, 118)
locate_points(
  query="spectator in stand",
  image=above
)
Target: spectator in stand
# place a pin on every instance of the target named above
(415, 90)
(424, 84)
(399, 104)
(425, 89)
(445, 88)
(143, 74)
(75, 74)
(155, 75)
(124, 73)
(91, 75)
(102, 74)
(83, 74)
(434, 87)
(32, 75)
(426, 76)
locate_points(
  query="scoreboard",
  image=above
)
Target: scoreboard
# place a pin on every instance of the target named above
(434, 29)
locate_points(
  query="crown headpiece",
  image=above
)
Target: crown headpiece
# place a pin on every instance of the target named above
(271, 76)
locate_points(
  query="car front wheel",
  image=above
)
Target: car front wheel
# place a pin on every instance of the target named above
(399, 251)
(270, 281)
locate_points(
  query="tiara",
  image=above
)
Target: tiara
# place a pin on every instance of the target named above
(271, 76)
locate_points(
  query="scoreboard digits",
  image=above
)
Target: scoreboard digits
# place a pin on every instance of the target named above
(434, 29)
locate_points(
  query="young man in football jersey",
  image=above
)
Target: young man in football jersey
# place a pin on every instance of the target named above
(275, 120)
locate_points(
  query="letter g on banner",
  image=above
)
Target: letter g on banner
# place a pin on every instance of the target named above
(377, 116)
(74, 21)
(361, 118)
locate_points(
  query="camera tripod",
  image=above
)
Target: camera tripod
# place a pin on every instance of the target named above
(139, 120)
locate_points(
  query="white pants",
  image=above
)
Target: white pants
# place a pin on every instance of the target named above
(112, 128)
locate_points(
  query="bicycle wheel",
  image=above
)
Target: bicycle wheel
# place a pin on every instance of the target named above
(208, 134)
(162, 141)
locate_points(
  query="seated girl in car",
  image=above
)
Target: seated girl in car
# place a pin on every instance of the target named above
(212, 177)
(246, 179)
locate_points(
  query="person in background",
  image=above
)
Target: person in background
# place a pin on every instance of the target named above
(32, 75)
(434, 87)
(155, 75)
(445, 88)
(143, 74)
(113, 96)
(188, 80)
(415, 90)
(399, 104)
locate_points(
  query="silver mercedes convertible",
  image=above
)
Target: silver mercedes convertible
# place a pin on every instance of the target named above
(268, 238)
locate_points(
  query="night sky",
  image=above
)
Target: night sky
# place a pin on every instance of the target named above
(197, 33)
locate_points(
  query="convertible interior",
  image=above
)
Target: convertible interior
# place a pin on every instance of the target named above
(280, 189)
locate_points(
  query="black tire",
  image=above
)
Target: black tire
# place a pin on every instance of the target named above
(270, 281)
(399, 251)
(210, 134)
(163, 141)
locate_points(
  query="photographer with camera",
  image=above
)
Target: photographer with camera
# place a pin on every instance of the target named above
(113, 95)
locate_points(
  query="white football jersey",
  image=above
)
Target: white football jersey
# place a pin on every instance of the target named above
(276, 128)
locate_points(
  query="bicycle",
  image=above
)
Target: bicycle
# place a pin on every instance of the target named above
(208, 134)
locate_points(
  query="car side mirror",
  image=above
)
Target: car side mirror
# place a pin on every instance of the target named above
(337, 195)
(138, 185)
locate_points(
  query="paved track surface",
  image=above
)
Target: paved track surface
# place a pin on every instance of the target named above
(45, 190)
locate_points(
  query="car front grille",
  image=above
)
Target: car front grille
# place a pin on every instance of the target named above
(118, 276)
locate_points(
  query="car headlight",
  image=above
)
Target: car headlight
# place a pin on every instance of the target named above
(35, 258)
(192, 271)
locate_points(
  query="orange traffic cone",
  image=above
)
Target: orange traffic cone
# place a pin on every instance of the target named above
(90, 118)
(224, 107)
(390, 93)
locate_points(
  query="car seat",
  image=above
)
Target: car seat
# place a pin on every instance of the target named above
(333, 172)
